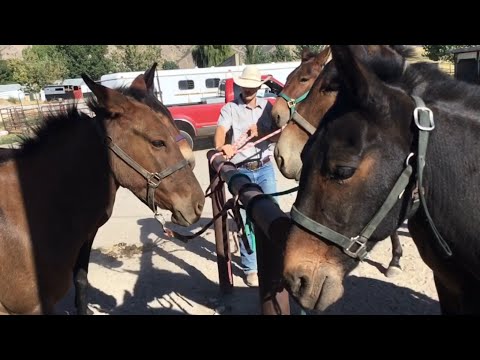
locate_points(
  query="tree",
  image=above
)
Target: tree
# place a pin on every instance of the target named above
(169, 65)
(6, 73)
(441, 52)
(281, 54)
(89, 59)
(41, 66)
(254, 54)
(313, 48)
(211, 55)
(136, 57)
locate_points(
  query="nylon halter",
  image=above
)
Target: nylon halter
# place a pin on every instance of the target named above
(355, 247)
(294, 115)
(153, 179)
(291, 103)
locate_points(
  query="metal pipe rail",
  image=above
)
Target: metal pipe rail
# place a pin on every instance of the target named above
(271, 226)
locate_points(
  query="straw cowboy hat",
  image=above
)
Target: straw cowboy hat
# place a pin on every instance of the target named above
(250, 78)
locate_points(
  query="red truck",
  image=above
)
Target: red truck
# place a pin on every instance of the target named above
(200, 120)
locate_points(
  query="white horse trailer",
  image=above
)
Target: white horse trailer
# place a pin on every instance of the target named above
(195, 85)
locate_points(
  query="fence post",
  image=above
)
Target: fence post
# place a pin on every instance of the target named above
(3, 121)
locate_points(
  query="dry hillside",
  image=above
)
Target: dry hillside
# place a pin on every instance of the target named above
(182, 54)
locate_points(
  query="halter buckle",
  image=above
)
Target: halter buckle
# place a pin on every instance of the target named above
(291, 103)
(360, 252)
(154, 180)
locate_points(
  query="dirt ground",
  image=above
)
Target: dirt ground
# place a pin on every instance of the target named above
(134, 269)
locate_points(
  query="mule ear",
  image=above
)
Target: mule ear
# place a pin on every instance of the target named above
(139, 83)
(149, 76)
(323, 56)
(306, 54)
(112, 100)
(359, 81)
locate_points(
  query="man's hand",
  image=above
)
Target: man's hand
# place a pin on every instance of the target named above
(253, 131)
(228, 150)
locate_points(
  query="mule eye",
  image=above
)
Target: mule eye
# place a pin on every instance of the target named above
(343, 172)
(304, 79)
(158, 143)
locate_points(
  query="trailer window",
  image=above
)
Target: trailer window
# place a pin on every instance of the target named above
(212, 83)
(186, 85)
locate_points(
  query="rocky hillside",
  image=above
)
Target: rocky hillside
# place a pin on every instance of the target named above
(182, 54)
(11, 51)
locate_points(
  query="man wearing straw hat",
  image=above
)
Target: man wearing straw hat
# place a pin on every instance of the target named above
(249, 117)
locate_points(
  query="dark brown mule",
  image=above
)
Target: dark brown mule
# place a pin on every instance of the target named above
(57, 188)
(142, 89)
(301, 106)
(383, 153)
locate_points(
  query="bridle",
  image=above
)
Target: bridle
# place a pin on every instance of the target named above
(153, 179)
(355, 247)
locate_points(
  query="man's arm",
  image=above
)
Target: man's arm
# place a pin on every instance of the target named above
(223, 125)
(219, 139)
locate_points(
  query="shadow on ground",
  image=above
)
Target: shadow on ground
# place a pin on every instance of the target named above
(366, 296)
(159, 292)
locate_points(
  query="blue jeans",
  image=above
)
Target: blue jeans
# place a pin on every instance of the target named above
(265, 177)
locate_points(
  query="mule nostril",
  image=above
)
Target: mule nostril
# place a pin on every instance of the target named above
(280, 122)
(297, 283)
(199, 208)
(293, 283)
(303, 285)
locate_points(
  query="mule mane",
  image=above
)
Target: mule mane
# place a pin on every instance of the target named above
(391, 68)
(146, 98)
(423, 79)
(404, 51)
(432, 85)
(58, 123)
(53, 125)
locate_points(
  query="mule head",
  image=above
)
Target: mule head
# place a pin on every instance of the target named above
(321, 96)
(350, 165)
(298, 84)
(145, 84)
(388, 62)
(152, 166)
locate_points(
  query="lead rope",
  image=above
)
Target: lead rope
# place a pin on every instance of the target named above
(231, 204)
(243, 143)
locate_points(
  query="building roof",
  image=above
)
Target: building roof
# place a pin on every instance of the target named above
(76, 81)
(10, 87)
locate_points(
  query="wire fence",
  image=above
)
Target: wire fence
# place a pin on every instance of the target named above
(21, 119)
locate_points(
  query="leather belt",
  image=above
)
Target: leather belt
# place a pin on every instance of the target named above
(255, 164)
